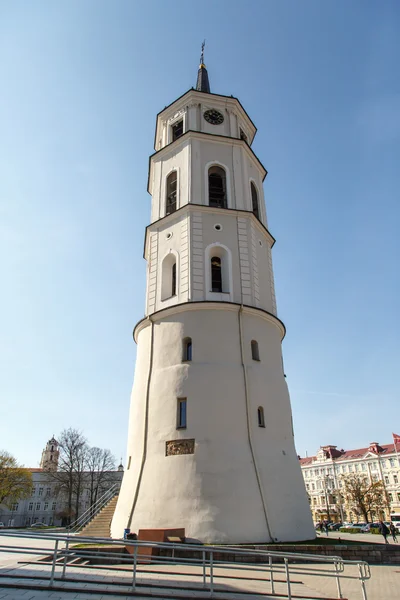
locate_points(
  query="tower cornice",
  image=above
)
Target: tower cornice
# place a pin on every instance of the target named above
(202, 135)
(208, 210)
(209, 305)
(195, 96)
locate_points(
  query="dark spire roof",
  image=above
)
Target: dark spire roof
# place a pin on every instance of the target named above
(202, 85)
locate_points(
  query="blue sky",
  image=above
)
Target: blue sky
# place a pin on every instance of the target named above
(81, 85)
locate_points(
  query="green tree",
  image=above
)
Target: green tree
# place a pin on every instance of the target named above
(15, 481)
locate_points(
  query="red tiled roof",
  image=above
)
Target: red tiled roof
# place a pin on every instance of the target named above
(352, 454)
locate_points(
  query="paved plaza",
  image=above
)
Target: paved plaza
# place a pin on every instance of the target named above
(154, 580)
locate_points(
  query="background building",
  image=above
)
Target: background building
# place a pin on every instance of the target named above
(47, 502)
(323, 473)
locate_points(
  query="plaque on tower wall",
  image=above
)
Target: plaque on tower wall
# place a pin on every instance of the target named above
(175, 447)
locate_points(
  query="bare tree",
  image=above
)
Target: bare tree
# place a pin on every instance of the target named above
(363, 496)
(71, 463)
(15, 481)
(99, 465)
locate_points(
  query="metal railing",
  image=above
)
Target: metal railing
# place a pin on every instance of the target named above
(94, 509)
(207, 562)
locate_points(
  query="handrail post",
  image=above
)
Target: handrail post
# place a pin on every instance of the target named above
(339, 589)
(135, 551)
(65, 559)
(364, 591)
(204, 569)
(211, 573)
(53, 566)
(289, 591)
(271, 575)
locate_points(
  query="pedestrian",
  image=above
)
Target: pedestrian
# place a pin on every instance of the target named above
(383, 530)
(327, 528)
(393, 530)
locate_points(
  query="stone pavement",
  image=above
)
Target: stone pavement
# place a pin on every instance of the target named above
(383, 585)
(246, 584)
(370, 538)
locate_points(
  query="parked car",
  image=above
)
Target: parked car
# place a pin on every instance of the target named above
(359, 525)
(1, 525)
(38, 525)
(335, 526)
(367, 528)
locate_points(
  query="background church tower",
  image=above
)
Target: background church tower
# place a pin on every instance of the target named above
(210, 443)
(50, 455)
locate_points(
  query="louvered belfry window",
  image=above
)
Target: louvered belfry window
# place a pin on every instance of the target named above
(217, 187)
(171, 193)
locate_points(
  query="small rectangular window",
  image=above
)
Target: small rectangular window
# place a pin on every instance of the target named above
(181, 417)
(30, 506)
(38, 506)
(40, 491)
(53, 506)
(260, 416)
(177, 130)
(46, 506)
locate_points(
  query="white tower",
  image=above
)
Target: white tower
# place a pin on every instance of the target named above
(210, 444)
(50, 455)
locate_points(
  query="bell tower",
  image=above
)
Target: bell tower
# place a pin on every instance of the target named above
(210, 442)
(50, 455)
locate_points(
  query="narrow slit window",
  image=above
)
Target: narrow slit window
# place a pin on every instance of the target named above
(216, 274)
(182, 413)
(255, 353)
(187, 349)
(217, 187)
(173, 280)
(129, 463)
(177, 130)
(260, 416)
(243, 136)
(171, 193)
(254, 201)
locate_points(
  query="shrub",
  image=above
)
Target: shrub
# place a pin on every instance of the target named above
(350, 530)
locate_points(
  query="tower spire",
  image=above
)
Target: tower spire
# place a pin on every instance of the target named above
(203, 85)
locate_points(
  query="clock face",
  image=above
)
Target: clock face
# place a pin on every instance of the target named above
(214, 117)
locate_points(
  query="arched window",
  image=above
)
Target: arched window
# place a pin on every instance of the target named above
(171, 193)
(217, 187)
(187, 349)
(260, 416)
(216, 274)
(255, 354)
(254, 200)
(168, 278)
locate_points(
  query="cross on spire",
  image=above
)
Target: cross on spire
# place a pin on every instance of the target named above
(202, 85)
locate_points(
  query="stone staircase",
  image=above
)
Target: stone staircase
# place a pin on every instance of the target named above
(99, 526)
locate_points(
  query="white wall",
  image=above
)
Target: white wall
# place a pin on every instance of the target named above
(200, 491)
